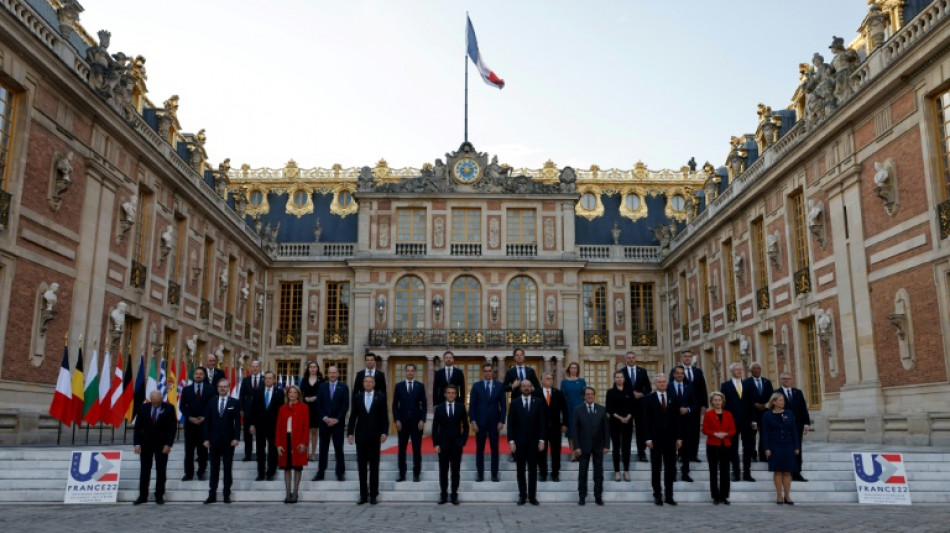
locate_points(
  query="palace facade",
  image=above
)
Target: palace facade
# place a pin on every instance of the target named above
(818, 246)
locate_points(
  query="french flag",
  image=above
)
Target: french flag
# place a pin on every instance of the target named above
(472, 44)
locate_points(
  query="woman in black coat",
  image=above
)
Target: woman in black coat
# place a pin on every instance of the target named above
(311, 380)
(619, 412)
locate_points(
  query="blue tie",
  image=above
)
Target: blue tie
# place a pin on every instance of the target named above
(267, 400)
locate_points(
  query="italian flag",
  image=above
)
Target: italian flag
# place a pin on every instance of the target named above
(62, 406)
(90, 409)
(152, 383)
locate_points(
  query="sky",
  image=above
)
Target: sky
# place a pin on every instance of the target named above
(598, 82)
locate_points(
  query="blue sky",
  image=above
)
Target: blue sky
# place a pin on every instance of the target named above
(597, 82)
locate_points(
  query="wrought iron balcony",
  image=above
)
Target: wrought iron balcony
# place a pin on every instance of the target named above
(943, 219)
(174, 293)
(596, 337)
(762, 299)
(732, 312)
(336, 337)
(411, 248)
(644, 337)
(288, 337)
(522, 250)
(707, 323)
(479, 338)
(803, 281)
(5, 200)
(467, 249)
(205, 310)
(139, 275)
(228, 323)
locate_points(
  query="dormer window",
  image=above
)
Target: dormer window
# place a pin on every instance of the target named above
(677, 202)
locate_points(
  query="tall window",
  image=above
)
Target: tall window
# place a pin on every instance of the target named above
(727, 271)
(288, 371)
(232, 285)
(598, 374)
(466, 225)
(812, 362)
(767, 349)
(412, 224)
(466, 303)
(641, 314)
(704, 286)
(522, 303)
(6, 130)
(758, 254)
(180, 249)
(342, 365)
(291, 310)
(410, 303)
(684, 306)
(942, 108)
(208, 274)
(799, 230)
(337, 315)
(142, 222)
(521, 226)
(595, 314)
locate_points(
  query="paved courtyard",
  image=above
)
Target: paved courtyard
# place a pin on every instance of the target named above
(506, 518)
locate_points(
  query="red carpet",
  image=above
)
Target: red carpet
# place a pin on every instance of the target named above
(427, 447)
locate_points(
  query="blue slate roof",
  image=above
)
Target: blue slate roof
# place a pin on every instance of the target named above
(632, 233)
(912, 8)
(293, 229)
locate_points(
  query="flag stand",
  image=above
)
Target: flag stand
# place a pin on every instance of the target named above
(59, 433)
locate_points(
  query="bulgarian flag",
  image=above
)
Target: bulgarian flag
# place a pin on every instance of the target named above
(471, 44)
(152, 383)
(78, 385)
(90, 409)
(62, 406)
(105, 387)
(116, 407)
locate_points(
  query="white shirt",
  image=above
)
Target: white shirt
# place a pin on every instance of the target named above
(368, 400)
(590, 408)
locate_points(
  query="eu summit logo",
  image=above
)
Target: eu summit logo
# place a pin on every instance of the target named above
(93, 477)
(881, 478)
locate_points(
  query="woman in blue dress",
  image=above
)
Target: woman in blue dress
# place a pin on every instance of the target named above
(780, 440)
(573, 388)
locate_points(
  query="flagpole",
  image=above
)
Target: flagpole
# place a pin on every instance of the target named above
(466, 77)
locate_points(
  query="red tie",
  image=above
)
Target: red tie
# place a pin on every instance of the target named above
(547, 396)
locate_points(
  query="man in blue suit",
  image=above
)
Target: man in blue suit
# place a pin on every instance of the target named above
(689, 409)
(487, 405)
(333, 401)
(733, 391)
(449, 435)
(409, 411)
(222, 430)
(193, 404)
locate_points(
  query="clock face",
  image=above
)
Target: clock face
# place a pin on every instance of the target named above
(466, 170)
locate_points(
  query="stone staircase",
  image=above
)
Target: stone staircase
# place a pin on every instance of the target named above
(38, 475)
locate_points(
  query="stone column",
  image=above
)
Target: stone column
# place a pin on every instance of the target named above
(362, 319)
(558, 369)
(430, 379)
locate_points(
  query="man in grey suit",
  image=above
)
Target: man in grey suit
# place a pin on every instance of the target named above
(590, 435)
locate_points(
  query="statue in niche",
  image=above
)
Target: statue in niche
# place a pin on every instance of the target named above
(317, 231)
(381, 308)
(129, 208)
(118, 316)
(49, 297)
(168, 242)
(63, 178)
(245, 292)
(876, 26)
(771, 248)
(438, 232)
(814, 214)
(549, 237)
(384, 233)
(881, 175)
(823, 321)
(191, 346)
(550, 309)
(494, 305)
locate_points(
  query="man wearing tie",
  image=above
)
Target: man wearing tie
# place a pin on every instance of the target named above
(733, 390)
(759, 390)
(370, 370)
(221, 433)
(249, 386)
(591, 440)
(263, 419)
(661, 413)
(333, 401)
(449, 435)
(213, 374)
(637, 380)
(526, 439)
(369, 424)
(555, 418)
(516, 375)
(686, 398)
(410, 407)
(697, 381)
(795, 402)
(193, 405)
(155, 430)
(487, 403)
(448, 375)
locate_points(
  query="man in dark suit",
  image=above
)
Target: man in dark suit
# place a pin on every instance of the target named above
(249, 386)
(515, 375)
(410, 407)
(449, 435)
(697, 381)
(447, 375)
(193, 404)
(526, 438)
(221, 433)
(757, 391)
(266, 405)
(213, 374)
(689, 411)
(636, 379)
(555, 419)
(370, 370)
(333, 401)
(733, 390)
(487, 410)
(155, 430)
(795, 402)
(591, 441)
(368, 427)
(661, 414)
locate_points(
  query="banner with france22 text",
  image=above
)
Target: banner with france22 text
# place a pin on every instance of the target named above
(881, 478)
(93, 477)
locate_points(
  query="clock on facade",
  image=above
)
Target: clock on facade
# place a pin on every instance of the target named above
(466, 170)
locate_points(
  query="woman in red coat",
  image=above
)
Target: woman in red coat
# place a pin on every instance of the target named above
(719, 427)
(292, 437)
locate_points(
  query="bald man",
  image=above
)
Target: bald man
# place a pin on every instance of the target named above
(155, 428)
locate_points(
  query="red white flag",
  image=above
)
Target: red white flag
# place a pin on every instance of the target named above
(62, 406)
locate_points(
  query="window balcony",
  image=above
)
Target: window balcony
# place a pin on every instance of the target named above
(174, 293)
(762, 299)
(802, 281)
(228, 323)
(644, 337)
(522, 250)
(596, 337)
(943, 219)
(707, 323)
(139, 275)
(480, 338)
(468, 249)
(411, 248)
(336, 337)
(684, 332)
(732, 312)
(204, 311)
(5, 200)
(288, 337)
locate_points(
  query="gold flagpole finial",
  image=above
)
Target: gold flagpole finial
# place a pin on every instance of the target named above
(66, 338)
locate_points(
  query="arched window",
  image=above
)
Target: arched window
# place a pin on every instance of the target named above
(410, 303)
(522, 303)
(466, 303)
(257, 197)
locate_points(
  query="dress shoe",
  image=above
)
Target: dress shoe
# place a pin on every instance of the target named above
(599, 501)
(555, 478)
(443, 499)
(749, 478)
(187, 478)
(495, 478)
(626, 476)
(658, 501)
(687, 479)
(670, 501)
(799, 478)
(401, 478)
(735, 476)
(511, 458)
(455, 499)
(211, 499)
(271, 477)
(287, 498)
(341, 478)
(415, 478)
(642, 459)
(293, 497)
(246, 460)
(616, 476)
(695, 460)
(228, 500)
(542, 477)
(533, 501)
(716, 502)
(160, 500)
(201, 476)
(140, 501)
(317, 477)
(372, 500)
(362, 500)
(789, 502)
(259, 477)
(522, 500)
(479, 478)
(580, 501)
(725, 502)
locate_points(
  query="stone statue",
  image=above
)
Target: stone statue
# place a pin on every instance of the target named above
(317, 231)
(877, 26)
(618, 311)
(245, 292)
(67, 16)
(744, 347)
(843, 64)
(102, 67)
(129, 208)
(692, 164)
(224, 169)
(771, 248)
(819, 97)
(63, 178)
(118, 316)
(168, 238)
(494, 305)
(615, 232)
(223, 279)
(381, 308)
(814, 214)
(191, 346)
(125, 87)
(550, 309)
(496, 176)
(219, 352)
(662, 234)
(222, 178)
(201, 139)
(881, 175)
(567, 180)
(823, 321)
(737, 260)
(260, 302)
(49, 297)
(437, 305)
